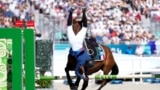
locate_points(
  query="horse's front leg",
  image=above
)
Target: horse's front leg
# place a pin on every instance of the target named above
(77, 82)
(72, 86)
(85, 83)
(86, 79)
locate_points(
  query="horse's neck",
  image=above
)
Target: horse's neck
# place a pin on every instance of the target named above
(76, 30)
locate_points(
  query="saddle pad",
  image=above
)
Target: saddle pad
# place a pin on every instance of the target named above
(100, 55)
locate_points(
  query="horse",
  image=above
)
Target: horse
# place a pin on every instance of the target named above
(107, 65)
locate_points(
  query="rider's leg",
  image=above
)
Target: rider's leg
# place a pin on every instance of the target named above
(77, 71)
(83, 71)
(81, 61)
(80, 71)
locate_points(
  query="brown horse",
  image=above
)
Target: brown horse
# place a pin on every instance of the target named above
(107, 65)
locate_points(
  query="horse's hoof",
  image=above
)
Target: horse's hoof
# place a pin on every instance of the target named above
(74, 88)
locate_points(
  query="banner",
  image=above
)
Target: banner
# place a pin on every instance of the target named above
(19, 23)
(30, 24)
(117, 48)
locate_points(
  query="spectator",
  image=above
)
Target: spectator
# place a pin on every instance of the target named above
(139, 50)
(158, 47)
(152, 45)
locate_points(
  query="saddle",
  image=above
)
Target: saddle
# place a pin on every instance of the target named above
(93, 49)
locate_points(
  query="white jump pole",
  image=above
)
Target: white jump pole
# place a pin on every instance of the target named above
(99, 77)
(141, 79)
(121, 76)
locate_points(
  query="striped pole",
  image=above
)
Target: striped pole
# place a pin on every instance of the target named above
(122, 76)
(100, 77)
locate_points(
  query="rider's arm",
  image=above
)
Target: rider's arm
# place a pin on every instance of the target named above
(69, 21)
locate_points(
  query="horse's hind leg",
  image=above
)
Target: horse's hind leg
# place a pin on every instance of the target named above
(106, 70)
(114, 71)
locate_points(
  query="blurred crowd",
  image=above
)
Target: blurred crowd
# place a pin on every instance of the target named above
(109, 21)
(115, 21)
(14, 10)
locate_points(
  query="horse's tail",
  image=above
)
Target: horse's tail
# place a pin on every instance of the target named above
(115, 69)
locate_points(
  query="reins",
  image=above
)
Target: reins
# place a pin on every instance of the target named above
(90, 51)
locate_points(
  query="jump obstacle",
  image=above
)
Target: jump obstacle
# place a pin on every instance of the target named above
(19, 38)
(100, 77)
(117, 79)
(26, 36)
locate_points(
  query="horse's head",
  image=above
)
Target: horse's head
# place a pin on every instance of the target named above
(77, 21)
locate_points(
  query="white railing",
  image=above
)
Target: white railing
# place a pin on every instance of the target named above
(128, 64)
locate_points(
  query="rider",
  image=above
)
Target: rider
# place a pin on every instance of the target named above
(76, 41)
